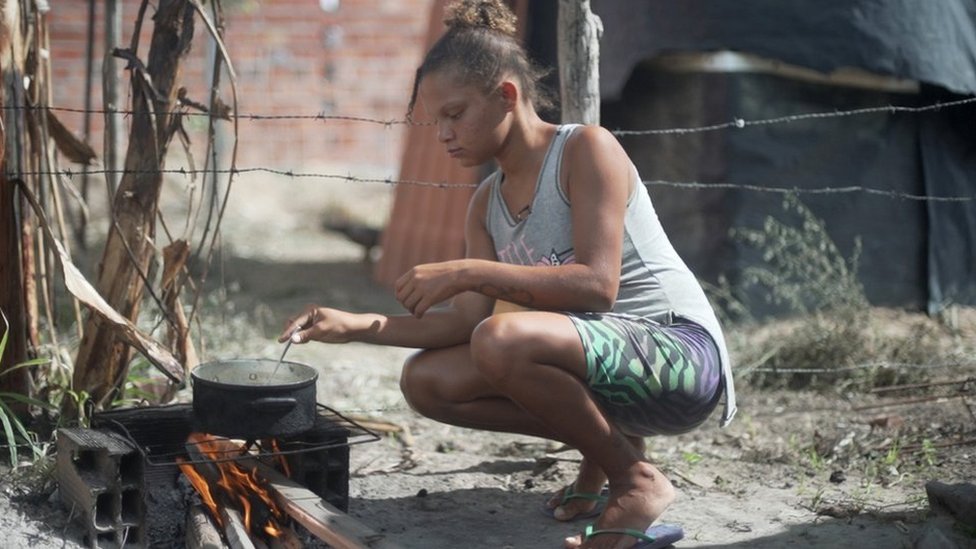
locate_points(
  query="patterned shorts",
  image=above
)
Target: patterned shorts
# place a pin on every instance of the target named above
(650, 378)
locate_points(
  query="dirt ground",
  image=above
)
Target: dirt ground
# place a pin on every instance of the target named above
(801, 469)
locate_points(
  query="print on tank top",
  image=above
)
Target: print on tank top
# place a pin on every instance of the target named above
(518, 253)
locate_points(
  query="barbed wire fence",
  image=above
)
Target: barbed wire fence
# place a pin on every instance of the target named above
(733, 125)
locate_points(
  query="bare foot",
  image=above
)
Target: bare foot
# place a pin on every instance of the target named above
(637, 499)
(590, 480)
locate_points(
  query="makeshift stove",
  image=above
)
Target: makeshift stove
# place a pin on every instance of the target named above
(123, 477)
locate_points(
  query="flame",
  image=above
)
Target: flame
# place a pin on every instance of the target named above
(202, 487)
(281, 458)
(235, 487)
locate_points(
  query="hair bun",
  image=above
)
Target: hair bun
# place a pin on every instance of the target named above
(481, 14)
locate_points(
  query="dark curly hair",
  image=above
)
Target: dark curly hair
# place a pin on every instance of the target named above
(480, 47)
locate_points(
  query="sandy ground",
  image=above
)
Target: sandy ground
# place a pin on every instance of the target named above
(754, 484)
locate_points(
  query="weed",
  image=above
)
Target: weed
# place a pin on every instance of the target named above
(929, 453)
(817, 461)
(893, 455)
(691, 458)
(729, 308)
(14, 430)
(136, 388)
(817, 499)
(802, 268)
(827, 339)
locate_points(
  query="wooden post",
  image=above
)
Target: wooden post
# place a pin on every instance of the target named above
(14, 301)
(110, 95)
(579, 34)
(81, 226)
(102, 361)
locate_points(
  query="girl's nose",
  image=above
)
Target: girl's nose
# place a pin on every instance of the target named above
(444, 132)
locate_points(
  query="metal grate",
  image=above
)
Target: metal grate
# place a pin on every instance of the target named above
(122, 474)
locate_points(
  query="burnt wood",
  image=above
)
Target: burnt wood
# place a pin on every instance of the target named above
(324, 521)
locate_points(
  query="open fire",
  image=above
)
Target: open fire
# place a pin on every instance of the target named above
(130, 476)
(222, 481)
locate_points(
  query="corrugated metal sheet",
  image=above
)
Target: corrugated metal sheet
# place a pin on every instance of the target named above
(427, 223)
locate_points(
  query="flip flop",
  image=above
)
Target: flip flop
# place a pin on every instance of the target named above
(656, 536)
(570, 494)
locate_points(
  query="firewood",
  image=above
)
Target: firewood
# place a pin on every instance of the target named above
(237, 536)
(287, 540)
(235, 529)
(201, 532)
(324, 521)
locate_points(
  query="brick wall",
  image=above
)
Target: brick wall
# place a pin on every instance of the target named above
(292, 57)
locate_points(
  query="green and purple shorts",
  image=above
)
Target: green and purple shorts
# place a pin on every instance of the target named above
(650, 378)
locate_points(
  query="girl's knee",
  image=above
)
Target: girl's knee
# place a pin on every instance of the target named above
(416, 383)
(494, 347)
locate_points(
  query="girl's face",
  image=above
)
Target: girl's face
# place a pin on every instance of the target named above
(471, 124)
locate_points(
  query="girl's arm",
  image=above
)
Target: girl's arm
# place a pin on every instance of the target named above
(598, 177)
(442, 327)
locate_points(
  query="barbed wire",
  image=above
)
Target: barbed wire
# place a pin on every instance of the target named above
(230, 116)
(865, 366)
(739, 123)
(884, 365)
(812, 190)
(735, 123)
(747, 371)
(238, 171)
(449, 185)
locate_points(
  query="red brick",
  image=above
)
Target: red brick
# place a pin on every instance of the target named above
(281, 58)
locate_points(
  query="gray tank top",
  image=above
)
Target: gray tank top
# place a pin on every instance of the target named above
(654, 281)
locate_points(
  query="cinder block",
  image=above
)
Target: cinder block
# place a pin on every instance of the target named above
(324, 471)
(99, 475)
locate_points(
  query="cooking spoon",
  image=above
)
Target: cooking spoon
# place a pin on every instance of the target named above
(291, 338)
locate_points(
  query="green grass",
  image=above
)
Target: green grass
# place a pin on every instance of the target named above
(15, 432)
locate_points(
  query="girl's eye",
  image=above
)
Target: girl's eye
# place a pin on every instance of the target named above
(454, 116)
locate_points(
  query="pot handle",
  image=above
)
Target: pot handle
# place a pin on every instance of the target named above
(273, 404)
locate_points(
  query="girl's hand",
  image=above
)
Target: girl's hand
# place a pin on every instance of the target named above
(318, 324)
(424, 286)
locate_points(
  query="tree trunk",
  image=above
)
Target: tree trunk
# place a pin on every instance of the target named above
(102, 361)
(13, 299)
(579, 34)
(11, 286)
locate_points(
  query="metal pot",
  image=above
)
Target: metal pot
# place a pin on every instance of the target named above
(240, 398)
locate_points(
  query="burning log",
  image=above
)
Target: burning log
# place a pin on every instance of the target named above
(224, 486)
(324, 521)
(201, 533)
(287, 540)
(235, 529)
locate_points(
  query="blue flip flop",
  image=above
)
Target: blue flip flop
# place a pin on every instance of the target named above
(569, 494)
(656, 536)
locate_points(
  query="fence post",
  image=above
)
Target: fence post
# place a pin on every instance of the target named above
(579, 34)
(110, 95)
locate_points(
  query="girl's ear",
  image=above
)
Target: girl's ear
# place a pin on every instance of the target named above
(509, 93)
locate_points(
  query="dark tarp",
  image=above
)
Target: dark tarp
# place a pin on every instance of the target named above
(947, 141)
(918, 254)
(878, 151)
(930, 41)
